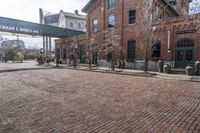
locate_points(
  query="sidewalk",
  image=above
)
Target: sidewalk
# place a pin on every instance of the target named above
(32, 65)
(135, 73)
(26, 65)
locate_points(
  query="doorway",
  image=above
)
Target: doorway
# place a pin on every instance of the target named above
(185, 51)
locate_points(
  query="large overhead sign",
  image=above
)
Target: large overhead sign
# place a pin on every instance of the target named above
(23, 27)
(19, 30)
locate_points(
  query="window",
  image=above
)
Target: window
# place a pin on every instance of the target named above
(111, 21)
(156, 50)
(185, 43)
(110, 51)
(79, 25)
(95, 25)
(111, 4)
(71, 25)
(132, 16)
(131, 50)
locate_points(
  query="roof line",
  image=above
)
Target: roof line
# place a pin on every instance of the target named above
(92, 1)
(87, 5)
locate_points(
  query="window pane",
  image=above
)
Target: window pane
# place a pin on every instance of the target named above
(95, 24)
(111, 4)
(189, 55)
(79, 25)
(132, 16)
(131, 50)
(180, 55)
(111, 21)
(71, 25)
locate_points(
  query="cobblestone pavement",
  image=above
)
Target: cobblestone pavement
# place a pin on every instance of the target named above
(68, 101)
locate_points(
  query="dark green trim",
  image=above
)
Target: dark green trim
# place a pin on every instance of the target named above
(24, 27)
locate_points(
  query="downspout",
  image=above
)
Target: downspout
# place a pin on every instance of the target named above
(88, 26)
(122, 30)
(172, 50)
(104, 25)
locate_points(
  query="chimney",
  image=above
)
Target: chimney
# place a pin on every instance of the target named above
(76, 12)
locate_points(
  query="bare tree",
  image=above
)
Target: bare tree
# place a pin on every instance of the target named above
(146, 28)
(151, 17)
(112, 45)
(7, 52)
(89, 50)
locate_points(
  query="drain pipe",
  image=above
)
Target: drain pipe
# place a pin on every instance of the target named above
(122, 30)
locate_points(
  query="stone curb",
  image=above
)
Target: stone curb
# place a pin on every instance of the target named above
(141, 74)
(153, 75)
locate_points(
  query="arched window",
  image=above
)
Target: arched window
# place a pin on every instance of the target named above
(185, 43)
(156, 47)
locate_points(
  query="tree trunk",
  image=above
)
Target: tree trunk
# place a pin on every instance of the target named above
(145, 60)
(112, 62)
(145, 65)
(113, 65)
(90, 65)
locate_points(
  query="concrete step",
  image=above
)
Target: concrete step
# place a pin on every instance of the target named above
(178, 71)
(86, 65)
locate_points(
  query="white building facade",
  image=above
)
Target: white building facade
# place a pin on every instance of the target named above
(74, 21)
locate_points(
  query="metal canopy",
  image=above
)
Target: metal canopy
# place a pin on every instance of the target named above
(24, 27)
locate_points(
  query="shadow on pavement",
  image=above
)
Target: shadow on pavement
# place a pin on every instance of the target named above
(23, 69)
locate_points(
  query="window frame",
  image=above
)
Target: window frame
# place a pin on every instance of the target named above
(112, 4)
(132, 17)
(95, 26)
(131, 53)
(110, 27)
(71, 25)
(156, 50)
(79, 25)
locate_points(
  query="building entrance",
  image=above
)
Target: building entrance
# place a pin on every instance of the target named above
(184, 53)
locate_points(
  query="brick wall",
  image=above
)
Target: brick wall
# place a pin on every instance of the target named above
(123, 32)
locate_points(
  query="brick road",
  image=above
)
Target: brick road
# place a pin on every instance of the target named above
(68, 101)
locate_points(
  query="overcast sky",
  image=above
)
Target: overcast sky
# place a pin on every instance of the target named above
(28, 10)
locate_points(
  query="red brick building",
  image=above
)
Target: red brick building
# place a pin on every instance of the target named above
(115, 25)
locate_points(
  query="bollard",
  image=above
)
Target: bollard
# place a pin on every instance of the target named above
(167, 68)
(197, 68)
(189, 70)
(160, 65)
